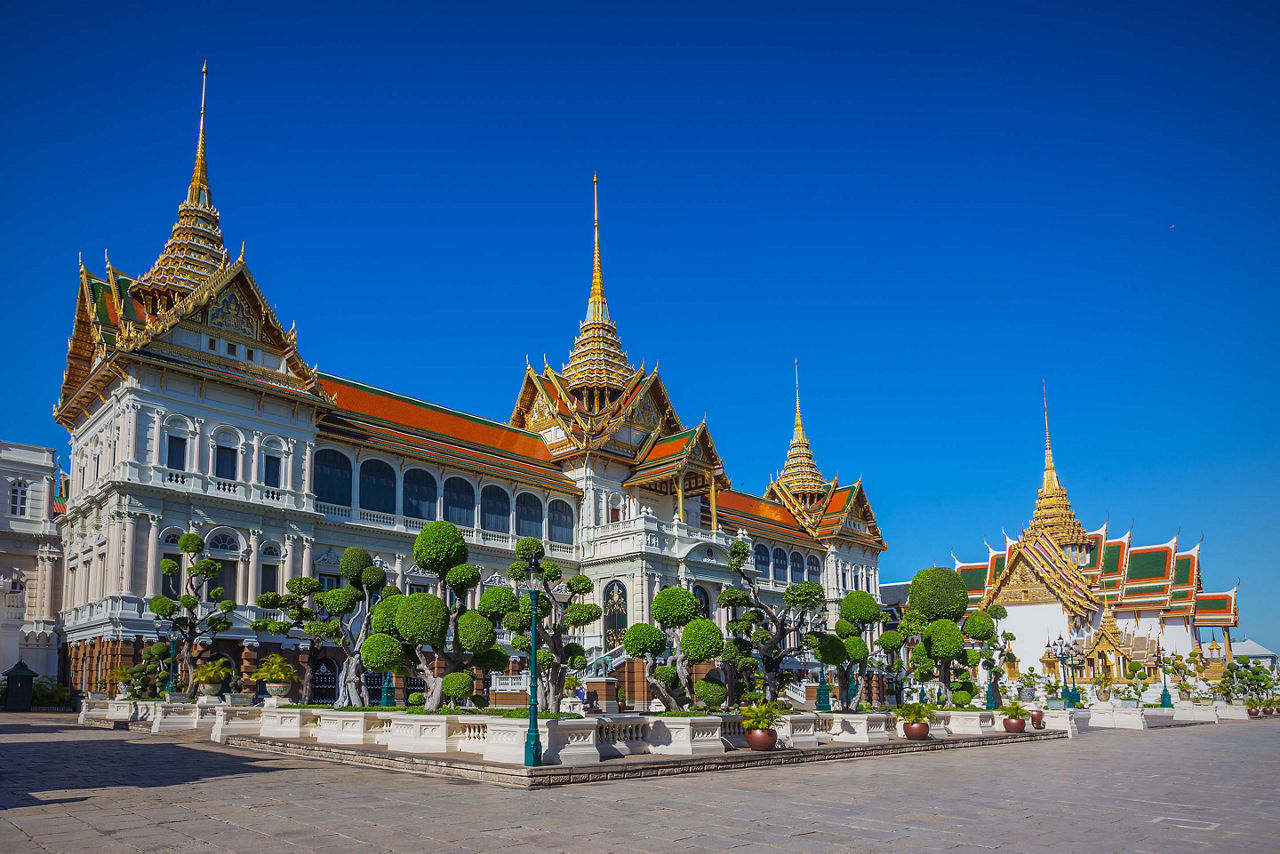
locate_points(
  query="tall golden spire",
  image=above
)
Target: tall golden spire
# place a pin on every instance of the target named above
(800, 475)
(198, 193)
(597, 361)
(1053, 514)
(195, 249)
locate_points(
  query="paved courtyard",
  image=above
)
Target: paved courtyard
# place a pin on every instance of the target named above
(1204, 788)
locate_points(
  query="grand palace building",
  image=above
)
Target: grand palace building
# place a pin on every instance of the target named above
(1118, 602)
(190, 408)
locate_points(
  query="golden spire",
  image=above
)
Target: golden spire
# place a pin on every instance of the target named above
(195, 248)
(198, 193)
(800, 474)
(1053, 514)
(598, 360)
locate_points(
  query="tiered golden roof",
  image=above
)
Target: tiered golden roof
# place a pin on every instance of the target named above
(195, 249)
(1053, 514)
(598, 368)
(800, 475)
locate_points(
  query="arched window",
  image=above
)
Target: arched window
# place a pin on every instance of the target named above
(615, 614)
(226, 459)
(780, 565)
(269, 577)
(224, 542)
(419, 494)
(459, 502)
(762, 560)
(815, 569)
(560, 522)
(332, 479)
(704, 599)
(797, 567)
(528, 515)
(495, 509)
(18, 498)
(377, 487)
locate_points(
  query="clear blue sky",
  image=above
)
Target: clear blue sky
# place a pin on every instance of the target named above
(932, 209)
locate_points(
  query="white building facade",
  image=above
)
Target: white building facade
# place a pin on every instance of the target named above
(30, 558)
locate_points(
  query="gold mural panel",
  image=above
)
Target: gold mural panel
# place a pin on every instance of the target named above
(1024, 587)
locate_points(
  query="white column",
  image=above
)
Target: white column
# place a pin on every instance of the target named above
(196, 445)
(308, 569)
(255, 473)
(254, 582)
(307, 461)
(109, 572)
(287, 464)
(288, 560)
(153, 557)
(400, 574)
(131, 582)
(157, 436)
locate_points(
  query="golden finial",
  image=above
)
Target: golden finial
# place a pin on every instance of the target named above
(198, 193)
(597, 307)
(799, 428)
(241, 258)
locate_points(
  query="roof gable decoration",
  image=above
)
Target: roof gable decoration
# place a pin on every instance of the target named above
(1037, 570)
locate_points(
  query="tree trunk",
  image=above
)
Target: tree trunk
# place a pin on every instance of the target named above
(351, 690)
(862, 683)
(842, 687)
(657, 686)
(308, 674)
(772, 676)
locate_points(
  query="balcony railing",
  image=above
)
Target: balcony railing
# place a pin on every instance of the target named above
(479, 536)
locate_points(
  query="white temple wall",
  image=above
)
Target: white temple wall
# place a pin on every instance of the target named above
(1031, 626)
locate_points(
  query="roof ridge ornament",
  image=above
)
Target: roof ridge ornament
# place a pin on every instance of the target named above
(800, 473)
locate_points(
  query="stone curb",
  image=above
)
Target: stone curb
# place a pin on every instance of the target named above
(538, 778)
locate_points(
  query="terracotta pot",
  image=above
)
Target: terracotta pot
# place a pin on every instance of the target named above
(1015, 725)
(1253, 713)
(1267, 710)
(1037, 718)
(761, 739)
(916, 732)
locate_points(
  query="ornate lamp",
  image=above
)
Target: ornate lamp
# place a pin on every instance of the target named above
(1166, 701)
(533, 741)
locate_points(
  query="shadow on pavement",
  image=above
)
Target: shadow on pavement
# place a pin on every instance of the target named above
(69, 757)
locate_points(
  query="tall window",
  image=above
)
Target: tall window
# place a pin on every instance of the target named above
(704, 599)
(226, 579)
(329, 582)
(615, 614)
(269, 582)
(762, 560)
(332, 479)
(560, 522)
(419, 494)
(780, 565)
(224, 462)
(797, 567)
(814, 569)
(528, 515)
(459, 503)
(18, 498)
(171, 583)
(271, 471)
(495, 509)
(177, 453)
(377, 487)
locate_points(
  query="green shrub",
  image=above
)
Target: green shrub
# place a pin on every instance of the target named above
(542, 715)
(859, 608)
(458, 686)
(191, 543)
(674, 607)
(804, 595)
(711, 692)
(373, 577)
(421, 618)
(701, 640)
(668, 676)
(383, 616)
(528, 548)
(474, 632)
(416, 698)
(579, 585)
(980, 626)
(494, 658)
(381, 653)
(938, 593)
(856, 649)
(275, 669)
(643, 640)
(961, 699)
(462, 578)
(170, 567)
(439, 547)
(496, 602)
(944, 640)
(353, 562)
(759, 716)
(342, 600)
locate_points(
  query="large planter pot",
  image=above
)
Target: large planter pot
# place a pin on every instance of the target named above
(761, 739)
(1037, 719)
(1104, 694)
(1015, 725)
(278, 689)
(1184, 695)
(1267, 710)
(1027, 694)
(916, 732)
(1253, 713)
(210, 689)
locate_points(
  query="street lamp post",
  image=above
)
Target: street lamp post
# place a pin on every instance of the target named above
(1068, 653)
(819, 625)
(533, 741)
(998, 648)
(1166, 701)
(388, 691)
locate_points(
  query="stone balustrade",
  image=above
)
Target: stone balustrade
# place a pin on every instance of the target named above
(977, 722)
(698, 736)
(1187, 711)
(236, 720)
(860, 729)
(797, 730)
(130, 710)
(93, 708)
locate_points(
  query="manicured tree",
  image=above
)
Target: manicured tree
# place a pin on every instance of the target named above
(859, 611)
(682, 628)
(149, 676)
(774, 633)
(830, 651)
(891, 642)
(700, 641)
(562, 611)
(404, 628)
(299, 611)
(349, 609)
(195, 622)
(939, 596)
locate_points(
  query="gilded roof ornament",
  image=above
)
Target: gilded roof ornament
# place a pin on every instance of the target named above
(800, 474)
(195, 249)
(597, 364)
(1053, 514)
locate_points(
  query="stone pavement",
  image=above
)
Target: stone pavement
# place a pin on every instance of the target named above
(1204, 788)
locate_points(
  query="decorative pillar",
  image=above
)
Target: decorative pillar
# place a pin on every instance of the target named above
(1227, 655)
(111, 570)
(157, 436)
(680, 495)
(290, 559)
(195, 447)
(254, 585)
(153, 557)
(307, 462)
(130, 581)
(287, 465)
(308, 569)
(255, 475)
(715, 523)
(399, 568)
(248, 664)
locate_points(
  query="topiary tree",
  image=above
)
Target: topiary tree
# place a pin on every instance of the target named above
(768, 629)
(936, 604)
(647, 643)
(563, 609)
(151, 675)
(193, 615)
(891, 641)
(859, 611)
(349, 609)
(692, 638)
(299, 609)
(406, 631)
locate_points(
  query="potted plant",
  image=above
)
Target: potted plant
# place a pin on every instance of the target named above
(1027, 685)
(757, 725)
(278, 674)
(1037, 718)
(1014, 716)
(1255, 707)
(210, 676)
(1101, 686)
(1184, 690)
(915, 719)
